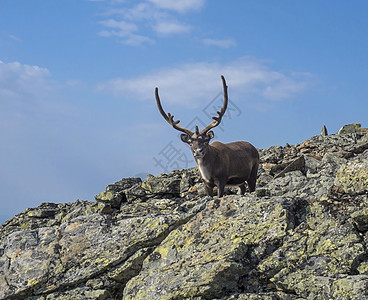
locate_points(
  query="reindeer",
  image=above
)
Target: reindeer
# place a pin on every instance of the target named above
(219, 164)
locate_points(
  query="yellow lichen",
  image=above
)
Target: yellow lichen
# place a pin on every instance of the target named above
(363, 268)
(163, 251)
(154, 224)
(146, 186)
(25, 226)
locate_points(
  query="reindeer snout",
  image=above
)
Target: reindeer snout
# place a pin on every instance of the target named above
(198, 152)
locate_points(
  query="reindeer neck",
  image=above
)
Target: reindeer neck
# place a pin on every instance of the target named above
(207, 163)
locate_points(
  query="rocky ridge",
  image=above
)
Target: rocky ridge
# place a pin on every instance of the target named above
(302, 235)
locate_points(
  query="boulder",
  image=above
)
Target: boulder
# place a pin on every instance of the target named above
(216, 251)
(295, 165)
(350, 128)
(360, 219)
(114, 195)
(353, 177)
(163, 184)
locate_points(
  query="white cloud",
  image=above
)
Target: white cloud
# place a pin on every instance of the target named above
(111, 1)
(225, 43)
(181, 6)
(137, 40)
(15, 38)
(195, 83)
(139, 12)
(167, 28)
(118, 28)
(124, 30)
(28, 92)
(18, 81)
(123, 26)
(137, 24)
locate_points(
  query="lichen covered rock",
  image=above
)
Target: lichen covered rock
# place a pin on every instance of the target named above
(302, 235)
(215, 251)
(350, 128)
(47, 259)
(353, 177)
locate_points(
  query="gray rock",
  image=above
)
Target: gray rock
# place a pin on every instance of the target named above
(353, 177)
(360, 218)
(114, 195)
(135, 193)
(324, 131)
(350, 128)
(163, 184)
(312, 165)
(296, 165)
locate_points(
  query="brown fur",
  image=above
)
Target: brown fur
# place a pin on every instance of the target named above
(230, 164)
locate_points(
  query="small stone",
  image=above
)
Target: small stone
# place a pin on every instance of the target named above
(262, 192)
(360, 219)
(106, 209)
(324, 131)
(296, 165)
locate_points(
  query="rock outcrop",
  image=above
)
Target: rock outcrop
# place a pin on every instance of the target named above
(302, 235)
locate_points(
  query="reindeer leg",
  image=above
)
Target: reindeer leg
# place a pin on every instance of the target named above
(209, 188)
(242, 189)
(252, 180)
(220, 188)
(252, 185)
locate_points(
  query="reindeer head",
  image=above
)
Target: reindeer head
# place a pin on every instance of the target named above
(197, 140)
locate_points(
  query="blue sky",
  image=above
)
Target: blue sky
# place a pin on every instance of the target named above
(77, 79)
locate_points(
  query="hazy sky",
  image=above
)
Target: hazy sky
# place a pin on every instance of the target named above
(77, 79)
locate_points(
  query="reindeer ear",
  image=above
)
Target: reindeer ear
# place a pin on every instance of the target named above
(210, 134)
(185, 138)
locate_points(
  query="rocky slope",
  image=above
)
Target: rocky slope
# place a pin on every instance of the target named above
(301, 235)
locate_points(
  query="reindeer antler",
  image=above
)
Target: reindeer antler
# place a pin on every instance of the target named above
(169, 117)
(217, 119)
